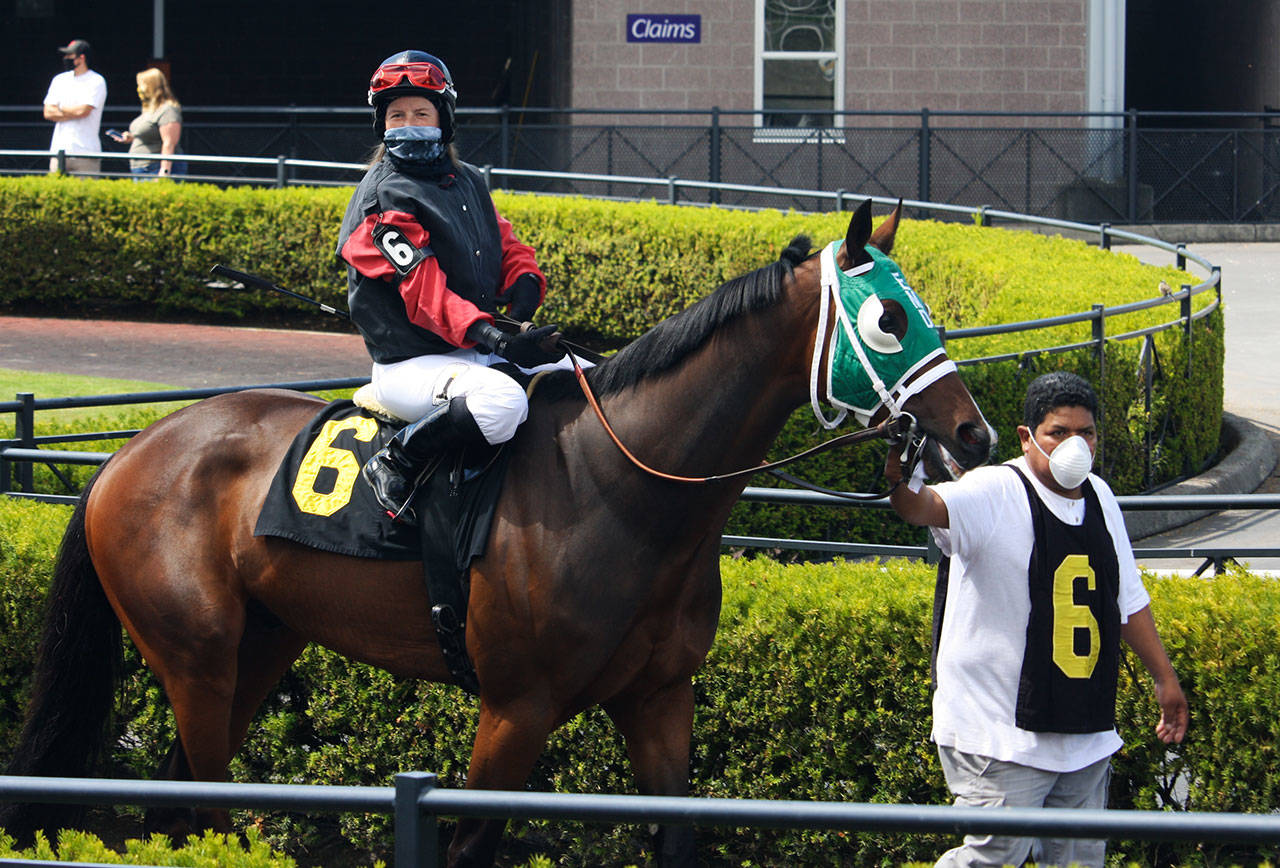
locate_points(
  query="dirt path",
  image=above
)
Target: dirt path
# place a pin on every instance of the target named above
(179, 355)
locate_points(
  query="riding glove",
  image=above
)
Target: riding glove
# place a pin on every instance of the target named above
(522, 298)
(528, 349)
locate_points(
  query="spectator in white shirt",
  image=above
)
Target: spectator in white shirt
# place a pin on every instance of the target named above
(74, 103)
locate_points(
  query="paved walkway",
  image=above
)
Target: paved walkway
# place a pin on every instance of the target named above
(188, 356)
(1251, 306)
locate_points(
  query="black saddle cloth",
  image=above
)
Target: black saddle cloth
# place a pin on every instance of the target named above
(319, 499)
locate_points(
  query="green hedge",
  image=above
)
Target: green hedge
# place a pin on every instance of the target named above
(92, 247)
(816, 688)
(209, 850)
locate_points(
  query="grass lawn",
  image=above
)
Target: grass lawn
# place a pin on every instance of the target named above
(44, 385)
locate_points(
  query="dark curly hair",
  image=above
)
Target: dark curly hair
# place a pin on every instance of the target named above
(1048, 392)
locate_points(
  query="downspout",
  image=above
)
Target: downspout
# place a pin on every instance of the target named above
(1104, 88)
(157, 29)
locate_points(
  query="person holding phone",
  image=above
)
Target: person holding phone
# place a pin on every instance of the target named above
(157, 130)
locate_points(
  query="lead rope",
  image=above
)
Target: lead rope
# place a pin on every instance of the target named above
(893, 429)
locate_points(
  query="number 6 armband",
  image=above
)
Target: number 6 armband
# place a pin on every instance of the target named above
(397, 249)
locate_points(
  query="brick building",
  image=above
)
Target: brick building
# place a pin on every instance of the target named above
(824, 55)
(810, 94)
(747, 55)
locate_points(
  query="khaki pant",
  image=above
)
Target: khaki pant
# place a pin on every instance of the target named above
(978, 781)
(78, 165)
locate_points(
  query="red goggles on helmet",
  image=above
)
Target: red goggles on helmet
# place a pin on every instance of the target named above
(420, 74)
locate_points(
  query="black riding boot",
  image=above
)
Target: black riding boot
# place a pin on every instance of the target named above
(393, 471)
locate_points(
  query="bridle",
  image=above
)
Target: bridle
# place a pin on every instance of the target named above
(900, 429)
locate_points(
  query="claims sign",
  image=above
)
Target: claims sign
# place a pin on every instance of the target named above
(651, 27)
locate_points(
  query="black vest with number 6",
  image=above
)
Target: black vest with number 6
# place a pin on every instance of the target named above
(1069, 668)
(457, 213)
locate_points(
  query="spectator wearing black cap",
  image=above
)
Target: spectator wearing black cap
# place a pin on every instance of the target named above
(74, 103)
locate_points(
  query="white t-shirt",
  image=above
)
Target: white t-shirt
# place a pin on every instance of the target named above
(68, 90)
(988, 603)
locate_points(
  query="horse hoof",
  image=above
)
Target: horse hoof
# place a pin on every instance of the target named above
(174, 823)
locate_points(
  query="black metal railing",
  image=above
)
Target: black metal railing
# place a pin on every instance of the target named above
(1132, 167)
(416, 802)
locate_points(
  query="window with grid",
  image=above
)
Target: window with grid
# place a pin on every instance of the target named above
(799, 62)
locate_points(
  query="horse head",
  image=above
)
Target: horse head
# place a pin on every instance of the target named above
(884, 355)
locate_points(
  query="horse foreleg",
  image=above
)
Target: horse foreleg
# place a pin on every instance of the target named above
(658, 728)
(508, 743)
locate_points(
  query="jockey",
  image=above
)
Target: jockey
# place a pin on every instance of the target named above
(429, 260)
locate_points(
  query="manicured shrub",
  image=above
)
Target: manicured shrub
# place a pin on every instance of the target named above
(816, 688)
(204, 851)
(92, 247)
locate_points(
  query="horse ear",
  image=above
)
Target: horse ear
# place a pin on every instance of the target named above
(882, 238)
(855, 240)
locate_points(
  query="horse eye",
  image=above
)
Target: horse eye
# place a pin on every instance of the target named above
(889, 325)
(894, 320)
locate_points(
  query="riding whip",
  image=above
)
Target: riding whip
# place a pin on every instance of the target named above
(251, 280)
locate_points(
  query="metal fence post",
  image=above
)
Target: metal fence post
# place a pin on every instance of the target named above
(1133, 165)
(505, 135)
(672, 195)
(1180, 260)
(1235, 174)
(1104, 242)
(416, 832)
(293, 131)
(282, 171)
(818, 160)
(62, 162)
(840, 195)
(1185, 312)
(922, 182)
(714, 153)
(24, 430)
(1100, 338)
(1148, 350)
(932, 553)
(6, 469)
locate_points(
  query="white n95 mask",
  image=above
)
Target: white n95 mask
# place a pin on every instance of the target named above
(1070, 462)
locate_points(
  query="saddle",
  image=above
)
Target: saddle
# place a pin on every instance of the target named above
(319, 499)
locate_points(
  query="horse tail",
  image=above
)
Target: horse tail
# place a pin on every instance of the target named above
(73, 687)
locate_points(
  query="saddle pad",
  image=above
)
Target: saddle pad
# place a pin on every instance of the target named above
(318, 497)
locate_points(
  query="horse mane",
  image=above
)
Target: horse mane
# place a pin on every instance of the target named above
(662, 347)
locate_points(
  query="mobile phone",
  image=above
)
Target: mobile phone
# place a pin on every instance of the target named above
(114, 133)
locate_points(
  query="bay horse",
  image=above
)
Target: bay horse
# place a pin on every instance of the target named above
(600, 584)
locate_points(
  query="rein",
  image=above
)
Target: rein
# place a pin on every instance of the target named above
(895, 429)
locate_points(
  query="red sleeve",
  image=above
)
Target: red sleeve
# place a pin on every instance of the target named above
(517, 258)
(428, 301)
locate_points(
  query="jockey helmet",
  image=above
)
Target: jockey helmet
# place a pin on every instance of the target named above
(413, 73)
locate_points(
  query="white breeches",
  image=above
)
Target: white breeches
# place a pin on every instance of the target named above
(411, 388)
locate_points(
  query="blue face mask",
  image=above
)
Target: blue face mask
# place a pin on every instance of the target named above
(420, 147)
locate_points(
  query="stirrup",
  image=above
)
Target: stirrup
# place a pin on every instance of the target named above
(381, 473)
